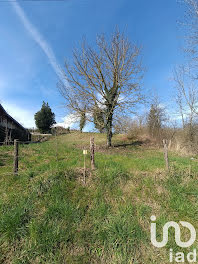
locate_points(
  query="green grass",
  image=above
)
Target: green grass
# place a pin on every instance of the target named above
(48, 215)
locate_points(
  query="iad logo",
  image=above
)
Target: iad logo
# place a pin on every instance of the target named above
(177, 234)
(179, 256)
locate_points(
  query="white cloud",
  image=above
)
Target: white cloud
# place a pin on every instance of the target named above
(23, 116)
(68, 121)
(38, 38)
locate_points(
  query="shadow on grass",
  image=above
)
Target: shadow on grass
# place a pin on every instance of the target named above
(136, 143)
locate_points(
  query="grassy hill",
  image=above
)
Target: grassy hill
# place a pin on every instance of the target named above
(48, 214)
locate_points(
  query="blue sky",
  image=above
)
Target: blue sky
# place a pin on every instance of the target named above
(37, 36)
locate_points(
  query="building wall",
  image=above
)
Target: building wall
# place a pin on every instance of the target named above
(14, 134)
(13, 128)
(5, 122)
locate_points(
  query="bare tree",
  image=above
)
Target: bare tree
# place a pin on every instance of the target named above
(185, 77)
(186, 98)
(190, 24)
(156, 119)
(108, 75)
(122, 124)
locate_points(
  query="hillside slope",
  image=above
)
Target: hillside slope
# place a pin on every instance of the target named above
(48, 214)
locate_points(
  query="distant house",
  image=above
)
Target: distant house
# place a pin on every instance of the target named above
(10, 129)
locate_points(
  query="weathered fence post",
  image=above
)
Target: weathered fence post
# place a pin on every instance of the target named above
(166, 153)
(84, 172)
(92, 153)
(16, 156)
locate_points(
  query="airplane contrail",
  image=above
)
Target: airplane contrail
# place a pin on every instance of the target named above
(39, 39)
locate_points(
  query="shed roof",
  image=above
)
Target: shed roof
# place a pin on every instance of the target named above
(2, 110)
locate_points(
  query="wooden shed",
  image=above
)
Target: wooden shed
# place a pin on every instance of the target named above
(10, 129)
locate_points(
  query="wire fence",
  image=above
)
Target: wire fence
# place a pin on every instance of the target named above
(17, 153)
(12, 142)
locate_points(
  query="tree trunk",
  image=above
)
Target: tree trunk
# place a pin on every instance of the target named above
(109, 130)
(109, 136)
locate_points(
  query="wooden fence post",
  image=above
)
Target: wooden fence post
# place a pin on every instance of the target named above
(166, 153)
(92, 153)
(84, 172)
(16, 156)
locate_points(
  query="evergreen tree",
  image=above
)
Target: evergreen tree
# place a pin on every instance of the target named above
(44, 118)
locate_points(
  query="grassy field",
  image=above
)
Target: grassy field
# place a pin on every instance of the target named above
(48, 215)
